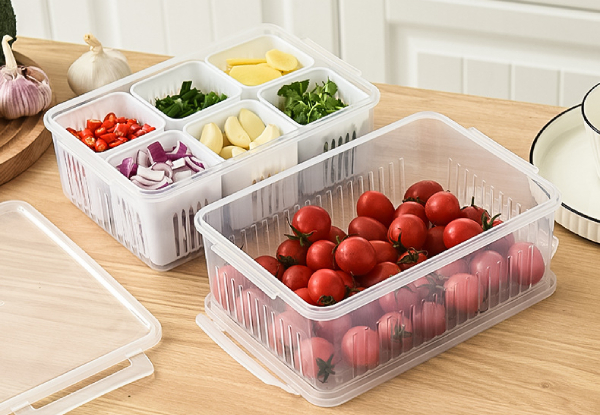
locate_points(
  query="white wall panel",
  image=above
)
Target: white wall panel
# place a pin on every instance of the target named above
(71, 19)
(232, 16)
(363, 37)
(535, 84)
(32, 18)
(188, 25)
(440, 72)
(487, 78)
(574, 87)
(140, 25)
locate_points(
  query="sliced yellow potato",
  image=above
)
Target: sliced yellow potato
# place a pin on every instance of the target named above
(235, 133)
(231, 151)
(281, 61)
(252, 75)
(271, 132)
(245, 61)
(251, 123)
(212, 137)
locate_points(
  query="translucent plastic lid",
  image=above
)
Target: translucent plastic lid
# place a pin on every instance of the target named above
(62, 318)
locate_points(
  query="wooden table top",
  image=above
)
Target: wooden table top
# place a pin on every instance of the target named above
(544, 360)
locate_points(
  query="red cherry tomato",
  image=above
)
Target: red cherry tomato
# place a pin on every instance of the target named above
(407, 231)
(291, 252)
(348, 279)
(459, 266)
(491, 269)
(296, 277)
(384, 251)
(368, 228)
(526, 264)
(326, 287)
(477, 213)
(422, 190)
(434, 242)
(414, 208)
(336, 235)
(375, 205)
(305, 295)
(271, 264)
(411, 258)
(333, 330)
(284, 330)
(442, 208)
(395, 334)
(320, 255)
(226, 285)
(402, 300)
(429, 321)
(248, 306)
(316, 359)
(360, 347)
(355, 255)
(463, 295)
(311, 223)
(460, 230)
(380, 272)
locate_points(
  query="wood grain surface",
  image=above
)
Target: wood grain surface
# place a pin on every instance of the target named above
(23, 140)
(545, 360)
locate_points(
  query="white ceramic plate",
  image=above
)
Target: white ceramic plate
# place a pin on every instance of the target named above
(561, 151)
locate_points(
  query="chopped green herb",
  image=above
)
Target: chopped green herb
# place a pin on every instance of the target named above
(305, 107)
(188, 101)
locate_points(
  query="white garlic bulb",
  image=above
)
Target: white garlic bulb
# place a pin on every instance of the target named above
(96, 68)
(24, 90)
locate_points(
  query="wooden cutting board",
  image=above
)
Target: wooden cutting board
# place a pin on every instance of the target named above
(22, 141)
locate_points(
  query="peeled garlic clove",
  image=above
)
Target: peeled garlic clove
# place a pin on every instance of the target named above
(251, 123)
(96, 68)
(212, 137)
(235, 133)
(271, 132)
(231, 151)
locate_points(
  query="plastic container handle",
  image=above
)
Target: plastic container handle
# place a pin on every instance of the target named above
(497, 148)
(240, 356)
(140, 367)
(328, 55)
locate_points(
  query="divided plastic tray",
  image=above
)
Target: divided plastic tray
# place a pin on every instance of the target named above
(157, 225)
(273, 324)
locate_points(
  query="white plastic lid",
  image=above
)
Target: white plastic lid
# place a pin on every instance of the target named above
(62, 318)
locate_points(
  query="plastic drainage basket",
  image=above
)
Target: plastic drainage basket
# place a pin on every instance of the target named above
(274, 325)
(156, 226)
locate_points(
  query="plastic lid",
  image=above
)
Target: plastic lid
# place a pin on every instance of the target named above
(62, 318)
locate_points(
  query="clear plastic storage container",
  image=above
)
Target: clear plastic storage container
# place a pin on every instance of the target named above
(133, 217)
(406, 319)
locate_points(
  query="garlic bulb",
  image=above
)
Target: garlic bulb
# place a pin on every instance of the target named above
(24, 90)
(96, 68)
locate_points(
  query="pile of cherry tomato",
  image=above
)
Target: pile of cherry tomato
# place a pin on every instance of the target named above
(324, 265)
(110, 132)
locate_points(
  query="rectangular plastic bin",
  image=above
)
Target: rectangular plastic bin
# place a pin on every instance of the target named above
(88, 179)
(406, 319)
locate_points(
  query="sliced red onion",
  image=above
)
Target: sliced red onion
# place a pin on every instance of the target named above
(128, 167)
(164, 167)
(150, 185)
(181, 174)
(157, 153)
(142, 158)
(150, 174)
(193, 163)
(177, 164)
(178, 151)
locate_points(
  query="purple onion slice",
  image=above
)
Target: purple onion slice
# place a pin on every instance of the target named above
(128, 167)
(142, 158)
(164, 167)
(150, 174)
(178, 151)
(157, 153)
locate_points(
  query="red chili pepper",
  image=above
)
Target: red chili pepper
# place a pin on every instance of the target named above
(147, 128)
(100, 145)
(89, 141)
(108, 124)
(93, 124)
(99, 131)
(121, 120)
(116, 143)
(134, 127)
(109, 137)
(121, 130)
(110, 117)
(86, 132)
(73, 131)
(139, 133)
(132, 121)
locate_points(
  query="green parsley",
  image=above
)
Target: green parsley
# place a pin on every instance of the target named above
(188, 101)
(305, 106)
